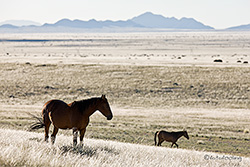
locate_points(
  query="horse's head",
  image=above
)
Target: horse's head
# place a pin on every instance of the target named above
(185, 134)
(104, 108)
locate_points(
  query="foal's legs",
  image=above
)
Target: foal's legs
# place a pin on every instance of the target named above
(160, 141)
(175, 144)
(53, 136)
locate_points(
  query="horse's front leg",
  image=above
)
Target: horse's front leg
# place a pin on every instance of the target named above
(75, 133)
(82, 132)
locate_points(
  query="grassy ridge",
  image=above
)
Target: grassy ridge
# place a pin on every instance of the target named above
(26, 149)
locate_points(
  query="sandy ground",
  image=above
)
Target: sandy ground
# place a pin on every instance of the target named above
(164, 49)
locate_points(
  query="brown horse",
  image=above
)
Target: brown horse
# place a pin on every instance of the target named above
(71, 116)
(169, 137)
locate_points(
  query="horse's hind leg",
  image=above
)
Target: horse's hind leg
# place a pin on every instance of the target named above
(53, 136)
(47, 125)
(47, 132)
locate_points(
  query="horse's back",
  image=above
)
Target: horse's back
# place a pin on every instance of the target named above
(59, 113)
(168, 136)
(54, 105)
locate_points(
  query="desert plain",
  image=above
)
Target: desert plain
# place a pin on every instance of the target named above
(197, 81)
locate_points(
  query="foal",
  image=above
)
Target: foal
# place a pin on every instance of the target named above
(169, 137)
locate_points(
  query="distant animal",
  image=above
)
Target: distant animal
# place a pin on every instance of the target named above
(218, 60)
(73, 116)
(169, 137)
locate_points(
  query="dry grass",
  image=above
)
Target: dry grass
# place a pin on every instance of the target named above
(220, 130)
(26, 149)
(152, 81)
(127, 86)
(168, 93)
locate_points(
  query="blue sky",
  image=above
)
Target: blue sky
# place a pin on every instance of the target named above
(215, 13)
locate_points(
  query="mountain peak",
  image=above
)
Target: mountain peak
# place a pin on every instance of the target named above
(63, 21)
(147, 14)
(151, 20)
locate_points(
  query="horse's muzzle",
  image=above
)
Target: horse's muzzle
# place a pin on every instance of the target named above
(109, 117)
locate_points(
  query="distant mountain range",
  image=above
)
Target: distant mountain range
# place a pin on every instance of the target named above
(242, 27)
(92, 24)
(147, 20)
(20, 23)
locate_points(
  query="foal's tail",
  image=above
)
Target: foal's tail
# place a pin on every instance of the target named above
(39, 124)
(155, 137)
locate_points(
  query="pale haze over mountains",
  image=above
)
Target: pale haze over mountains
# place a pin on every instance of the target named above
(20, 23)
(147, 20)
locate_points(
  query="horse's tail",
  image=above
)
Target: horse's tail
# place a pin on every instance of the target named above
(41, 120)
(39, 124)
(155, 137)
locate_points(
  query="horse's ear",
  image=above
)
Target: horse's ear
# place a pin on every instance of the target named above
(103, 97)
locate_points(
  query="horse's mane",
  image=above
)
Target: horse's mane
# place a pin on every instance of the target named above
(83, 105)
